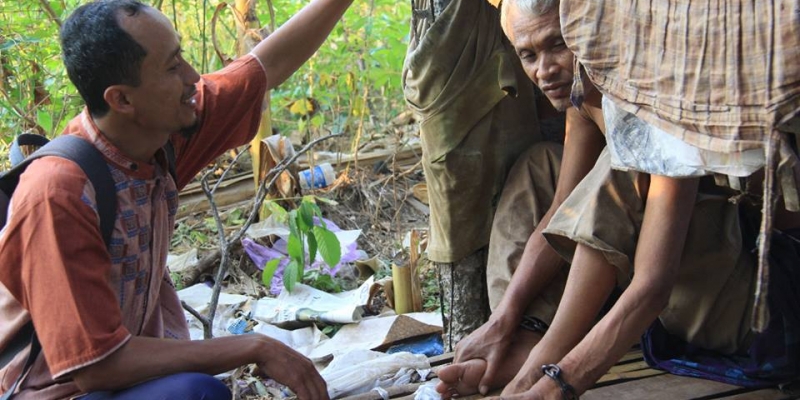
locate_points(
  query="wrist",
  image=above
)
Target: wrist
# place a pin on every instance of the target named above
(555, 383)
(504, 323)
(261, 347)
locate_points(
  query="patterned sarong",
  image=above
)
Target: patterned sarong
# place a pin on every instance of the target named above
(721, 76)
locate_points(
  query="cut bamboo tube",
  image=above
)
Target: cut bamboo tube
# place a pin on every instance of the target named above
(401, 280)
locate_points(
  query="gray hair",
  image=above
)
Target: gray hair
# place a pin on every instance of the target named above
(534, 8)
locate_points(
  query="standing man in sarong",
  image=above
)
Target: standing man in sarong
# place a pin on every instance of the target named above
(477, 114)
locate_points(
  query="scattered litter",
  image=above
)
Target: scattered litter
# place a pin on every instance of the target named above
(321, 176)
(367, 268)
(377, 333)
(198, 297)
(307, 304)
(430, 345)
(178, 263)
(301, 340)
(427, 391)
(381, 392)
(269, 226)
(362, 370)
(241, 324)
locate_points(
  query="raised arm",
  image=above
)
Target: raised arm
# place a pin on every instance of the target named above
(284, 51)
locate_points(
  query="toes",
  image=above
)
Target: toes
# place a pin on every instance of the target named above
(451, 373)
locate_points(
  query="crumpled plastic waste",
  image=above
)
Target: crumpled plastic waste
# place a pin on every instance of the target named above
(427, 391)
(363, 370)
(430, 346)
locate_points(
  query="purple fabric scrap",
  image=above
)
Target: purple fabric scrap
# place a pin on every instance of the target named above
(262, 254)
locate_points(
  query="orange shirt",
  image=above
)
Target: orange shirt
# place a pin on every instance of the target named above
(85, 300)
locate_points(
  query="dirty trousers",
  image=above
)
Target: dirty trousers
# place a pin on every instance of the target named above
(712, 297)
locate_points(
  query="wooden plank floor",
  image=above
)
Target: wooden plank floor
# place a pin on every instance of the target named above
(630, 379)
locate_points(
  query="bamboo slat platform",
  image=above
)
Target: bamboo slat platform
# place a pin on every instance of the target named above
(630, 379)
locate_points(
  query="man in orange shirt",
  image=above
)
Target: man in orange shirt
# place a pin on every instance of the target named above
(108, 318)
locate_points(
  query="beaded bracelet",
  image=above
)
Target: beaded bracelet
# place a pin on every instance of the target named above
(553, 371)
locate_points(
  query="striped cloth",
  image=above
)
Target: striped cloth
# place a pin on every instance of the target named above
(721, 75)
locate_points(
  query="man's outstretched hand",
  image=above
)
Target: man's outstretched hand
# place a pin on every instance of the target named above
(293, 370)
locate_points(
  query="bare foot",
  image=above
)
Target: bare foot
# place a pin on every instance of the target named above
(461, 379)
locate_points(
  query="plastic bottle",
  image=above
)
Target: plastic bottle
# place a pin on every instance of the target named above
(320, 176)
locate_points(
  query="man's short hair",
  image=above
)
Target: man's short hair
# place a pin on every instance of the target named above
(98, 53)
(534, 8)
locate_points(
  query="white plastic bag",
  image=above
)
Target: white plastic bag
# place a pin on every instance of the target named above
(363, 370)
(427, 391)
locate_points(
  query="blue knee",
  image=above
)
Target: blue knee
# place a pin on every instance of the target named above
(196, 386)
(185, 386)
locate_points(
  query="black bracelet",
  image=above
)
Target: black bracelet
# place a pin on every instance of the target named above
(553, 371)
(533, 324)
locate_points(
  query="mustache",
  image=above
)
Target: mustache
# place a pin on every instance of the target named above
(189, 95)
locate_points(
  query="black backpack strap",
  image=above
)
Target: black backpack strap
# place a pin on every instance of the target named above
(94, 166)
(15, 155)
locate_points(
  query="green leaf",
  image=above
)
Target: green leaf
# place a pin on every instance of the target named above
(317, 120)
(312, 204)
(326, 201)
(306, 213)
(324, 282)
(269, 271)
(293, 229)
(312, 248)
(295, 248)
(300, 270)
(45, 120)
(236, 214)
(290, 275)
(275, 209)
(328, 246)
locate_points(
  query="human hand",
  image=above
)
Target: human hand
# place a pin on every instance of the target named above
(529, 395)
(544, 389)
(491, 343)
(529, 374)
(292, 369)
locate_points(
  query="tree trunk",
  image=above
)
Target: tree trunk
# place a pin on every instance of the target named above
(464, 297)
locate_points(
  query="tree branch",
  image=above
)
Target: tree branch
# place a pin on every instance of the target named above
(225, 254)
(48, 9)
(203, 320)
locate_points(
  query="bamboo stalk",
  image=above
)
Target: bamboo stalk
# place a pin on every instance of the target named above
(401, 279)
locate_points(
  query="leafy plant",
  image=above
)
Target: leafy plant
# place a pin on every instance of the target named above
(190, 236)
(322, 281)
(306, 239)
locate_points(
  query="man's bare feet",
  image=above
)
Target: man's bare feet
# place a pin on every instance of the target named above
(461, 379)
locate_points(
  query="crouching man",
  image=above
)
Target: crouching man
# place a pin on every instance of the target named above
(679, 250)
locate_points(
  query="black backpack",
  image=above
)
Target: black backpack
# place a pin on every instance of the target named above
(94, 166)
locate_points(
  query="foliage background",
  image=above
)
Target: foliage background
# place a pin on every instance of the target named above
(353, 82)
